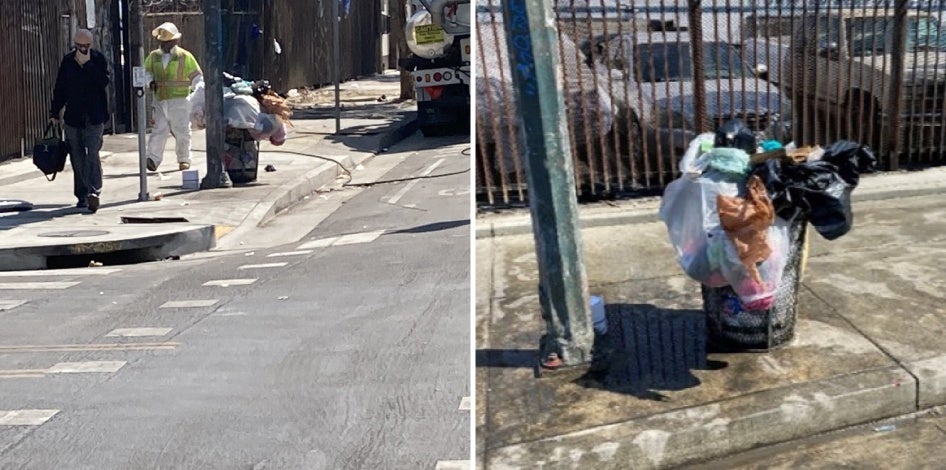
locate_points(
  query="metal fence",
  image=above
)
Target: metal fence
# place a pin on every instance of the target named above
(30, 64)
(642, 78)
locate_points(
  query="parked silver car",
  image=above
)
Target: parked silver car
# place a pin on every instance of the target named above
(655, 104)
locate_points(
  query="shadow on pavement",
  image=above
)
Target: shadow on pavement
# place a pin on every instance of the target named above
(434, 227)
(507, 358)
(648, 349)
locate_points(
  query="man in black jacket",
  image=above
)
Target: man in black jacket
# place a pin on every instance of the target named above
(80, 88)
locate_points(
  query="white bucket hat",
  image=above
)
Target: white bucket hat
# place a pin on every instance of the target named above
(166, 32)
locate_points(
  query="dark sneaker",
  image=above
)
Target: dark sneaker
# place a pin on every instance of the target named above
(183, 166)
(93, 203)
(82, 204)
(152, 166)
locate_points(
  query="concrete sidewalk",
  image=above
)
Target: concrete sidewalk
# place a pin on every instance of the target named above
(55, 233)
(869, 345)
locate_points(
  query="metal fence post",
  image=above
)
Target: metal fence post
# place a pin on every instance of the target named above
(563, 284)
(896, 80)
(699, 86)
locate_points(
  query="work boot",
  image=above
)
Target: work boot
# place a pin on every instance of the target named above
(93, 203)
(152, 166)
(183, 166)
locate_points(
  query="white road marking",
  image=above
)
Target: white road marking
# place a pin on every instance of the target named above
(10, 304)
(31, 348)
(452, 465)
(355, 238)
(86, 367)
(229, 282)
(322, 243)
(465, 404)
(61, 272)
(139, 332)
(36, 285)
(410, 185)
(263, 266)
(23, 374)
(25, 417)
(189, 303)
(229, 314)
(289, 253)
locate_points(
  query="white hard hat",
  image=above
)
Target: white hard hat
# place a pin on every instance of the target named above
(166, 32)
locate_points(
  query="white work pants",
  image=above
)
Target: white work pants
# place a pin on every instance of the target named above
(171, 116)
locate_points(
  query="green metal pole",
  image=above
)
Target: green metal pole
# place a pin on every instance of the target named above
(563, 284)
(216, 176)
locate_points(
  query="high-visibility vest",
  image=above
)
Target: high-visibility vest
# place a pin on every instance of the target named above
(175, 80)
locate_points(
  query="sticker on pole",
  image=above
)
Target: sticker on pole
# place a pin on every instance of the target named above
(140, 77)
(428, 34)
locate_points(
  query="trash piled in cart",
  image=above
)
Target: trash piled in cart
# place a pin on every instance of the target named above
(250, 105)
(729, 213)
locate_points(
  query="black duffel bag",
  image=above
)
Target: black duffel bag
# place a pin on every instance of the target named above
(49, 153)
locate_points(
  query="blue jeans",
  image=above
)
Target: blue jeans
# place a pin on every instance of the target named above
(84, 145)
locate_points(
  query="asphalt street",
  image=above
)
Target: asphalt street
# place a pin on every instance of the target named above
(337, 337)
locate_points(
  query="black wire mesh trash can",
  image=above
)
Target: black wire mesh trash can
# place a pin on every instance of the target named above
(241, 156)
(731, 327)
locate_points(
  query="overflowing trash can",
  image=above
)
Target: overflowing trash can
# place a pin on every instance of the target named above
(253, 112)
(731, 326)
(738, 219)
(241, 156)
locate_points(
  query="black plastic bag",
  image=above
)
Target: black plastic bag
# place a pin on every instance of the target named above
(851, 158)
(820, 191)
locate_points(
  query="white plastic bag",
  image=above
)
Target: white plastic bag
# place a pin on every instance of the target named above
(691, 214)
(240, 112)
(196, 101)
(755, 295)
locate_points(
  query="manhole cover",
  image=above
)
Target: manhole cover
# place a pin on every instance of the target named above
(75, 234)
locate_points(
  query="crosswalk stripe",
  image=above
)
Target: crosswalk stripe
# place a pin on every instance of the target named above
(289, 253)
(36, 285)
(465, 404)
(189, 303)
(320, 243)
(30, 348)
(10, 304)
(26, 417)
(86, 367)
(355, 238)
(61, 272)
(229, 282)
(262, 266)
(138, 332)
(453, 465)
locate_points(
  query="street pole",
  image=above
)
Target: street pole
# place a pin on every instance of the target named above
(563, 283)
(337, 65)
(216, 176)
(142, 111)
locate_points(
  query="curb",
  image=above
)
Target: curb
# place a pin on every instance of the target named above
(304, 185)
(713, 430)
(180, 240)
(522, 224)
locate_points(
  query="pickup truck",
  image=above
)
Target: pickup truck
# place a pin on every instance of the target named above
(839, 61)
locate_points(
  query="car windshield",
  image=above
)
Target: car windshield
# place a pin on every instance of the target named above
(874, 36)
(673, 62)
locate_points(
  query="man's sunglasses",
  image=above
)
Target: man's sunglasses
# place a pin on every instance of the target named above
(82, 46)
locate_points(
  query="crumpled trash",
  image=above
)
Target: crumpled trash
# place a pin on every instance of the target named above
(731, 161)
(735, 134)
(746, 221)
(819, 190)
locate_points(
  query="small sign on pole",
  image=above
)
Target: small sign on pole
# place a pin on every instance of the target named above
(141, 77)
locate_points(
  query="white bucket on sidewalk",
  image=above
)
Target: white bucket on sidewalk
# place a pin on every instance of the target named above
(190, 179)
(598, 319)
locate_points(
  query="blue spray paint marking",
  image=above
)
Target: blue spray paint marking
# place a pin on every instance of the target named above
(522, 42)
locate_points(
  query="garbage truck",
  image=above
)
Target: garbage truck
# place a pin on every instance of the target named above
(438, 35)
